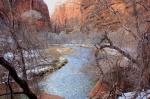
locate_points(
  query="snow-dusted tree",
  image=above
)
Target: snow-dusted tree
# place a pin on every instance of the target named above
(18, 46)
(123, 56)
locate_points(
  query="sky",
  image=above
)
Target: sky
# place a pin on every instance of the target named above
(52, 4)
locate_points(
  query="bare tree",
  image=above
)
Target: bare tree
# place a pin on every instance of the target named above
(22, 83)
(139, 64)
(19, 48)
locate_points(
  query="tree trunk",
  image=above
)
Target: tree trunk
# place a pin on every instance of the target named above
(22, 83)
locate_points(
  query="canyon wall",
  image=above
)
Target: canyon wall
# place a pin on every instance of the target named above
(67, 16)
(97, 15)
(31, 12)
(110, 15)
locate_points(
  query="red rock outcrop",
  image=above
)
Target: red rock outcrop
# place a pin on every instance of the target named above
(99, 90)
(66, 16)
(102, 90)
(33, 12)
(96, 15)
(112, 14)
(114, 83)
(48, 96)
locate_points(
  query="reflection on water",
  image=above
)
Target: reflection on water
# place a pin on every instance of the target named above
(69, 82)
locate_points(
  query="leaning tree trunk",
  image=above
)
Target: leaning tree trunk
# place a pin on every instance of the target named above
(22, 83)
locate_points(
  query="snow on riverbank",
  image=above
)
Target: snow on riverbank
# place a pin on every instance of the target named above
(141, 95)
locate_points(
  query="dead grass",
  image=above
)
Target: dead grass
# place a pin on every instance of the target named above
(57, 51)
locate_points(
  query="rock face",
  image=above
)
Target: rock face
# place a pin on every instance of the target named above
(67, 16)
(99, 90)
(102, 89)
(96, 15)
(112, 14)
(32, 12)
(113, 84)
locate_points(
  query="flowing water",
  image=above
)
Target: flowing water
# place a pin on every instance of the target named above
(69, 81)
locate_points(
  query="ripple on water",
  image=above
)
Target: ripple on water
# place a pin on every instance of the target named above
(71, 86)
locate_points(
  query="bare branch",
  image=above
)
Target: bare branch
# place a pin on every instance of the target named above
(115, 48)
(12, 93)
(120, 51)
(142, 5)
(22, 83)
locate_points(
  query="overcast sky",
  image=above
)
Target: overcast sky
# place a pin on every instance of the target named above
(52, 4)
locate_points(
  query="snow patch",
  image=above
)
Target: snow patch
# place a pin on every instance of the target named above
(130, 95)
(8, 55)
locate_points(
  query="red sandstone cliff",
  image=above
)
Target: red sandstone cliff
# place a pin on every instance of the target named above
(33, 12)
(112, 14)
(66, 16)
(95, 15)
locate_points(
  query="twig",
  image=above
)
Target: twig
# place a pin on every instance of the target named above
(12, 93)
(22, 83)
(120, 51)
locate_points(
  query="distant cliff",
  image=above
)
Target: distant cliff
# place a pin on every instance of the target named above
(66, 16)
(96, 15)
(33, 12)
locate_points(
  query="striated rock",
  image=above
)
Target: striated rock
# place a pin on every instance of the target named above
(110, 14)
(66, 16)
(97, 15)
(32, 12)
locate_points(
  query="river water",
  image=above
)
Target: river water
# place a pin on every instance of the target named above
(69, 81)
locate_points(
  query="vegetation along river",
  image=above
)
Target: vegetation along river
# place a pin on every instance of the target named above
(71, 82)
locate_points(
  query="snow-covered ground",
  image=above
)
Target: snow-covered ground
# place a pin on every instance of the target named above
(31, 53)
(141, 95)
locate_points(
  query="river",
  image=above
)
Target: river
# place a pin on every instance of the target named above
(69, 81)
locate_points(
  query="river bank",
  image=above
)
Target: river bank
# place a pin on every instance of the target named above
(73, 80)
